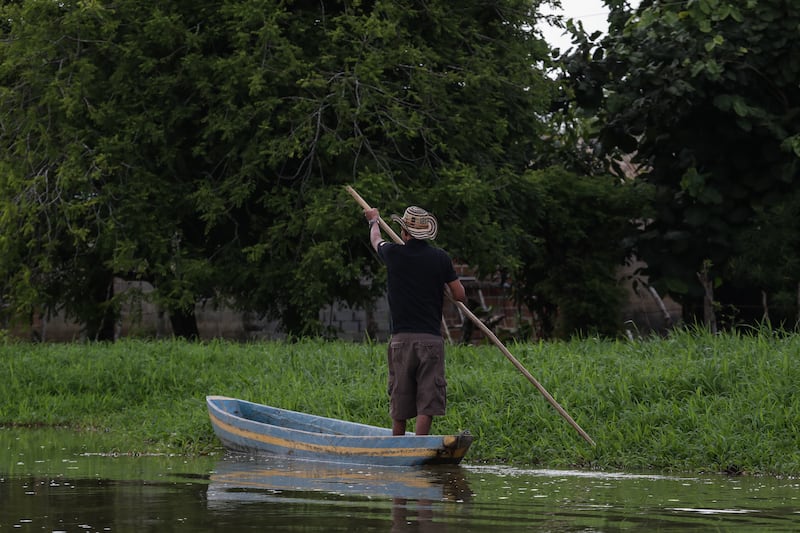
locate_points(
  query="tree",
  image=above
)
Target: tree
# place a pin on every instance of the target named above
(50, 252)
(413, 103)
(202, 145)
(575, 237)
(99, 118)
(705, 94)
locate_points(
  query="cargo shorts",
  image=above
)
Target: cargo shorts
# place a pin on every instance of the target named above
(417, 384)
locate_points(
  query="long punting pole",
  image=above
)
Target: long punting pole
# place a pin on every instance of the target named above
(486, 331)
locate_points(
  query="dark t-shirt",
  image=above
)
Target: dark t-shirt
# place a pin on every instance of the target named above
(417, 274)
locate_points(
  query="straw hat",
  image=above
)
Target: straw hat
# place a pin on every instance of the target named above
(418, 223)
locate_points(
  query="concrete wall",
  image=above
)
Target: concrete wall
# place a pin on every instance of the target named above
(491, 300)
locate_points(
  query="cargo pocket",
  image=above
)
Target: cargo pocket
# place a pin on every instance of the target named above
(441, 392)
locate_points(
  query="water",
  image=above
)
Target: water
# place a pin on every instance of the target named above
(60, 481)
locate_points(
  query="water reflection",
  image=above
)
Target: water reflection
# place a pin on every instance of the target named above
(413, 496)
(238, 477)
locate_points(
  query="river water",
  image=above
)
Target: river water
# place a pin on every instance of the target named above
(56, 481)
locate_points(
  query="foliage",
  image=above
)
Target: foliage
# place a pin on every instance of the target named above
(576, 229)
(412, 104)
(98, 109)
(202, 146)
(705, 94)
(689, 402)
(773, 235)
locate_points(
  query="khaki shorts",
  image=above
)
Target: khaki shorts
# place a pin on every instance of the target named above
(417, 385)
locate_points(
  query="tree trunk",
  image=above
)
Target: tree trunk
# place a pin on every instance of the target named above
(660, 302)
(101, 323)
(184, 324)
(709, 318)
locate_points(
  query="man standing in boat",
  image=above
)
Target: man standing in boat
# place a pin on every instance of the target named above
(417, 276)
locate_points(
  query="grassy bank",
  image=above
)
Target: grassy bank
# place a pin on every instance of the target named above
(691, 402)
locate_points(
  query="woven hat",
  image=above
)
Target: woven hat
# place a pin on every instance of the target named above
(418, 223)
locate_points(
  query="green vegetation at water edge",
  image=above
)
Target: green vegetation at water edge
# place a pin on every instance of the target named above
(689, 402)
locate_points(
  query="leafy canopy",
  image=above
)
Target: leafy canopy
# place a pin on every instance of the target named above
(705, 94)
(202, 146)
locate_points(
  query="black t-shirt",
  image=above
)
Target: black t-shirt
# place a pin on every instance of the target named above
(417, 274)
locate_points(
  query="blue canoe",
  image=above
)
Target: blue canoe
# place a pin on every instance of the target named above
(259, 429)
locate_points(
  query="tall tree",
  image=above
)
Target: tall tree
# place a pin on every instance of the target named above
(100, 115)
(430, 103)
(705, 94)
(51, 254)
(202, 145)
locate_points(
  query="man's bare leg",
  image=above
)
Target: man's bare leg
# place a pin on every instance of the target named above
(424, 424)
(398, 427)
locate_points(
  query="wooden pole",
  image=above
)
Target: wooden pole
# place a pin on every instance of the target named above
(486, 331)
(386, 227)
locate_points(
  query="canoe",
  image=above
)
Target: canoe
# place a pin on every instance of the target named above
(249, 427)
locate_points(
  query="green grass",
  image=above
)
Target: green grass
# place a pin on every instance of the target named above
(689, 402)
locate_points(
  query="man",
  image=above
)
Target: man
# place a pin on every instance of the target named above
(417, 275)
